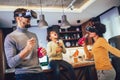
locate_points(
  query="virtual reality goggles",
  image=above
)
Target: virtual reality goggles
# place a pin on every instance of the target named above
(91, 29)
(27, 14)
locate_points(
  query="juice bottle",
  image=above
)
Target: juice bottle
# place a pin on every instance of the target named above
(39, 52)
(81, 40)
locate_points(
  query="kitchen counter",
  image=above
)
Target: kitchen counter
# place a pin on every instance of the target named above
(76, 65)
(84, 70)
(82, 63)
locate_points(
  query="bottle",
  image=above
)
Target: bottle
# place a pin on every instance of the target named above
(81, 40)
(78, 36)
(44, 61)
(75, 56)
(40, 55)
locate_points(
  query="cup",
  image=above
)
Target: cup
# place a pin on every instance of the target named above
(40, 54)
(80, 58)
(75, 59)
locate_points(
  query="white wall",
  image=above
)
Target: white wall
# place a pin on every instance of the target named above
(6, 19)
(41, 35)
(112, 21)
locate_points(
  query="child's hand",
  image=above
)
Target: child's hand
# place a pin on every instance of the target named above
(60, 44)
(58, 50)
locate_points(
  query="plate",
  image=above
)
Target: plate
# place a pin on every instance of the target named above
(67, 44)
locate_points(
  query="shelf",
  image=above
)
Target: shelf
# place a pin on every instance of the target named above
(72, 46)
(68, 39)
(70, 36)
(64, 32)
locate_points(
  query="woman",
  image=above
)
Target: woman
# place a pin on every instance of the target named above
(55, 48)
(99, 52)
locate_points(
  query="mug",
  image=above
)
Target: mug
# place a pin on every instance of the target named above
(75, 59)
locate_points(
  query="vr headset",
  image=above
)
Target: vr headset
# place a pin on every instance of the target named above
(91, 29)
(27, 14)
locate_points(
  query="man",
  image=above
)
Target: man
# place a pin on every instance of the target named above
(21, 48)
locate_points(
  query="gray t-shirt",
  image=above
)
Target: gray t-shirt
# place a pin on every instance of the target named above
(14, 43)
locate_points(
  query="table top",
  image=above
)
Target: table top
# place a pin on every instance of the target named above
(76, 65)
(82, 64)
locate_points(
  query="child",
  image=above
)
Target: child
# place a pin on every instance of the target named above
(55, 48)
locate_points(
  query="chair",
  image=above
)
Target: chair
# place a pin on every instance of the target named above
(115, 42)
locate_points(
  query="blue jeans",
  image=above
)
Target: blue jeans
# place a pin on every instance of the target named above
(31, 76)
(55, 66)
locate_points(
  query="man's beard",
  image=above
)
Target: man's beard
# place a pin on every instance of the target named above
(27, 26)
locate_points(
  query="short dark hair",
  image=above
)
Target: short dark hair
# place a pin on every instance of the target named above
(48, 35)
(19, 11)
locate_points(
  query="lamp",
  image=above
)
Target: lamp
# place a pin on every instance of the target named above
(42, 23)
(64, 23)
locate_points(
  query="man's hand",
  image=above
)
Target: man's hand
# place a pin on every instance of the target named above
(30, 44)
(43, 51)
(29, 47)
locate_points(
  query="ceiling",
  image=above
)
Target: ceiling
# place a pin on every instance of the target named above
(44, 3)
(85, 9)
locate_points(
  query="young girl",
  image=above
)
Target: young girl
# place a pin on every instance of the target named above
(55, 48)
(105, 70)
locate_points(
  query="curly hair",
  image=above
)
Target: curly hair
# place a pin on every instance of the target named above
(48, 35)
(100, 28)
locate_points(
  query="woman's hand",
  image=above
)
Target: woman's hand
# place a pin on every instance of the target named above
(83, 43)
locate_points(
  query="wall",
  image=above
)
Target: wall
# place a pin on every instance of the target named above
(41, 35)
(70, 51)
(1, 57)
(112, 21)
(6, 18)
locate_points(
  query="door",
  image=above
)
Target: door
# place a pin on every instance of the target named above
(2, 68)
